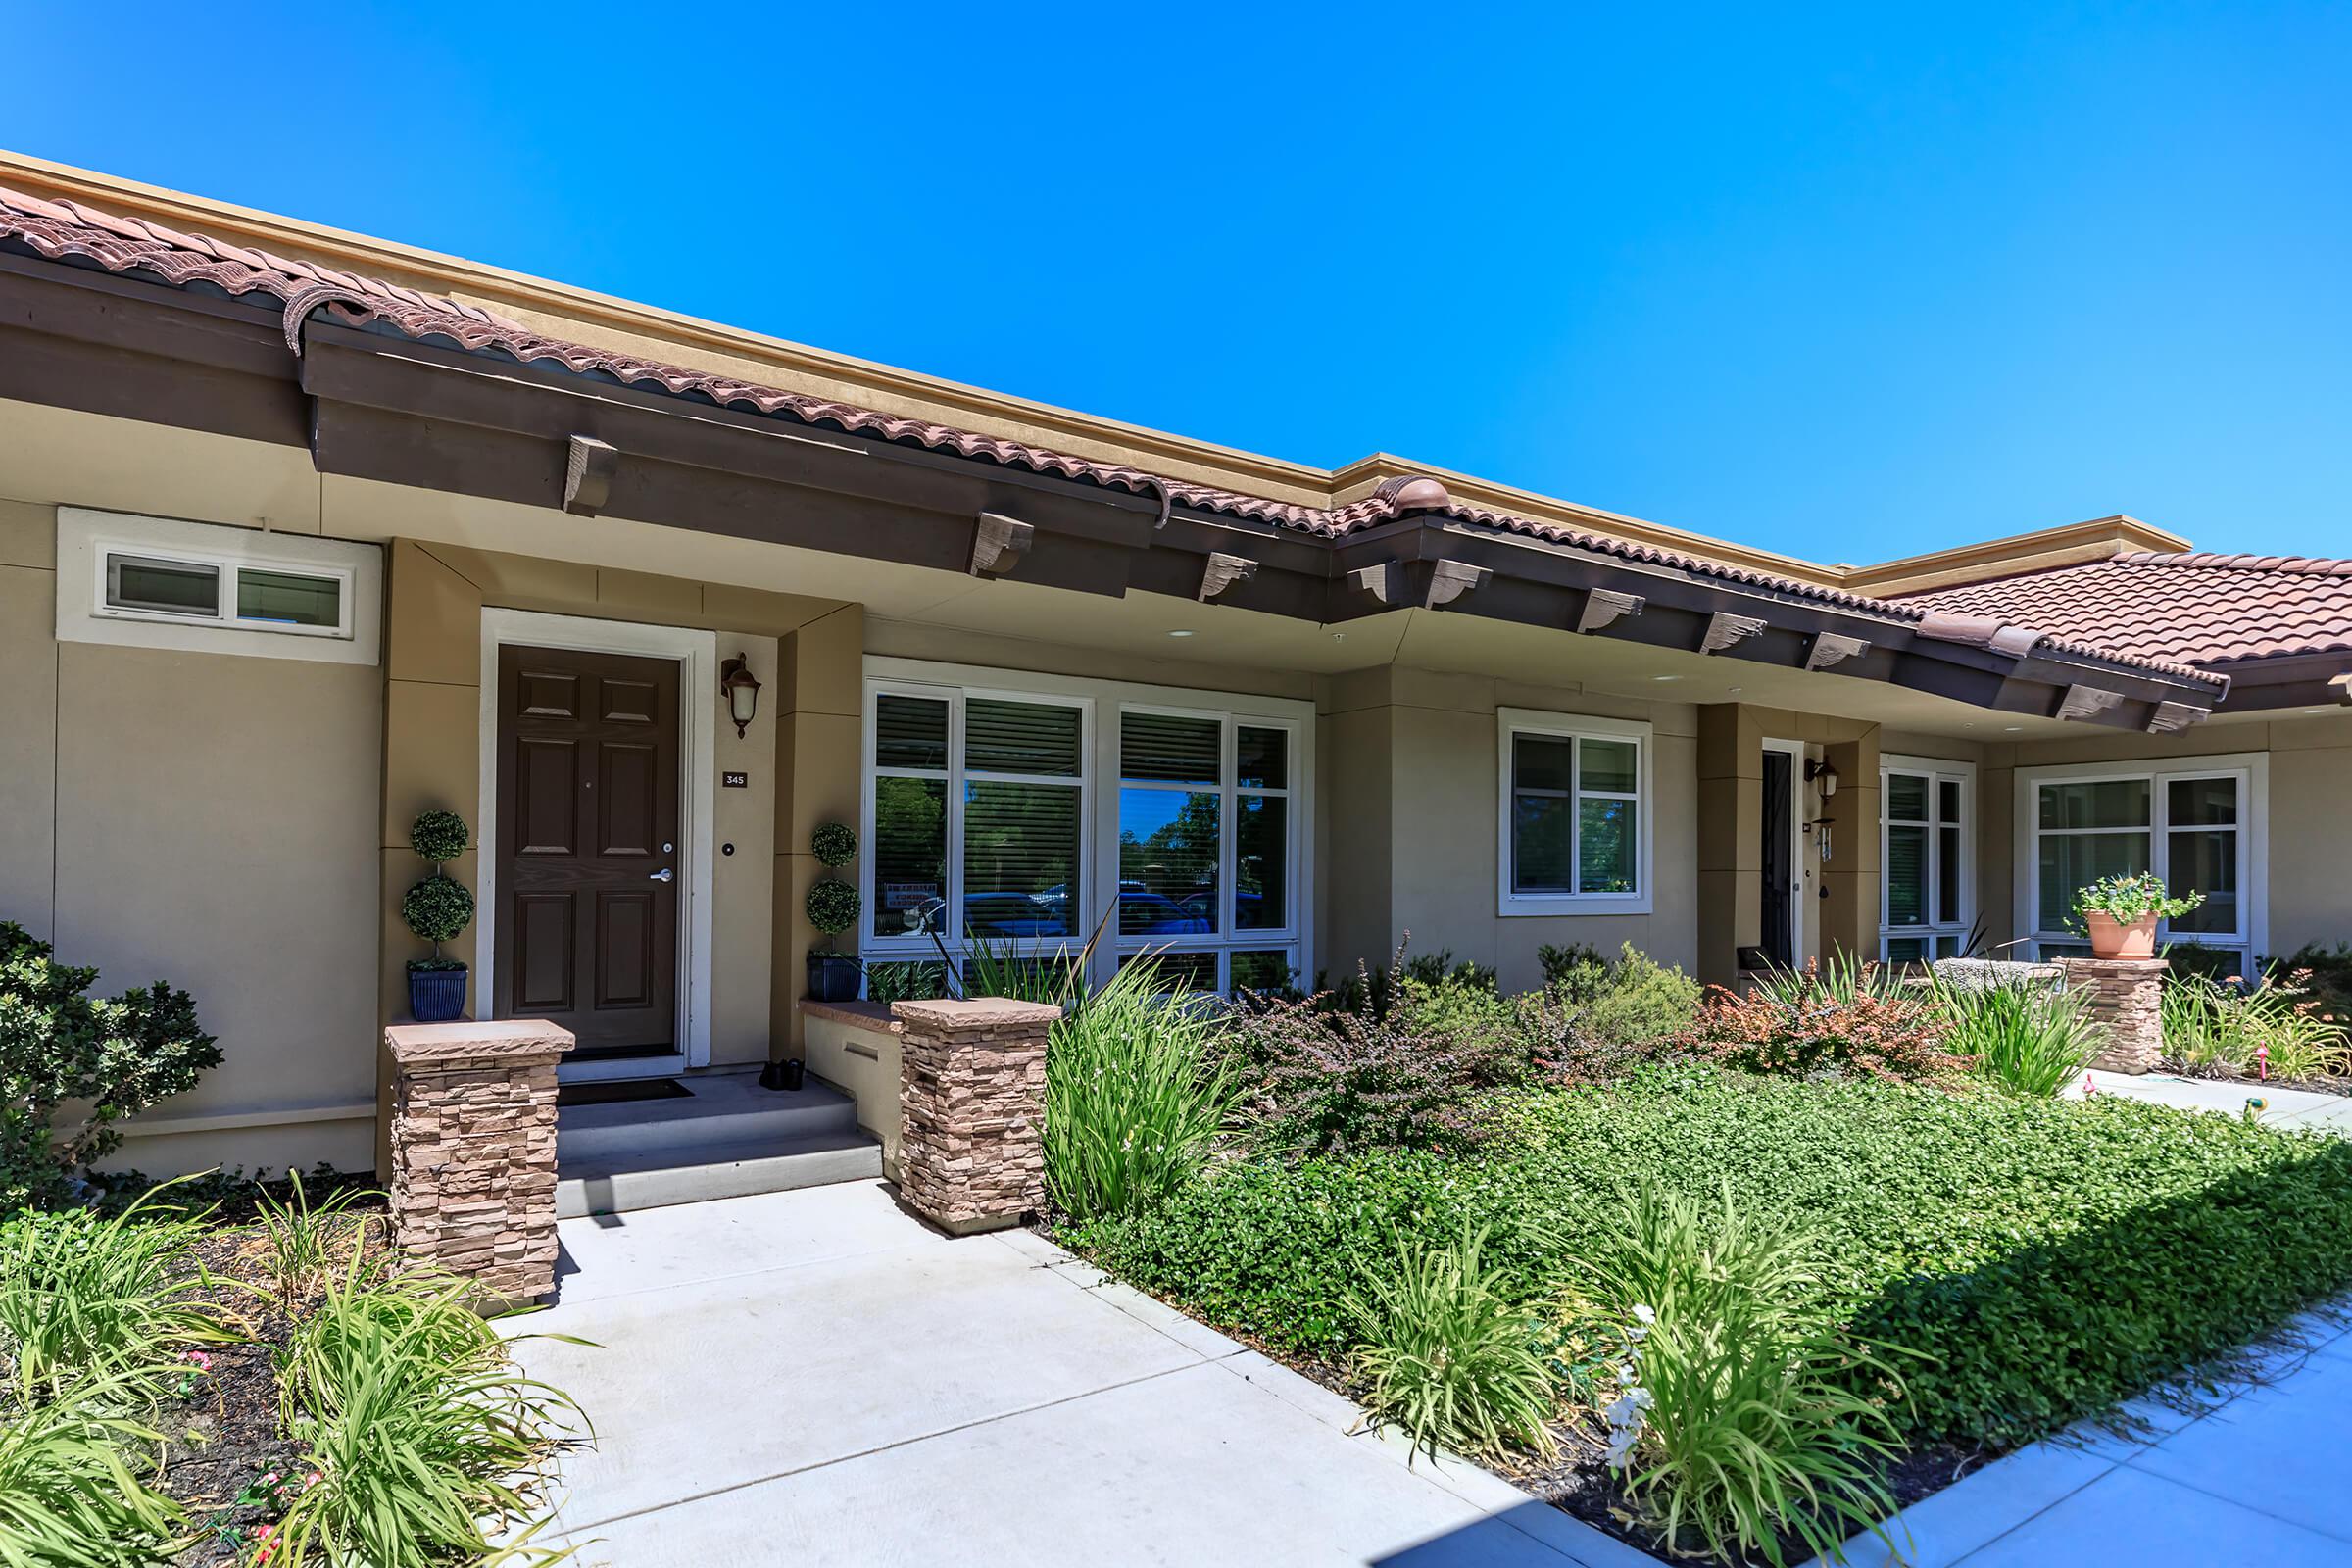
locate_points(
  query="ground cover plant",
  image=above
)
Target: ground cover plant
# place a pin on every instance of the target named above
(1961, 1271)
(278, 1390)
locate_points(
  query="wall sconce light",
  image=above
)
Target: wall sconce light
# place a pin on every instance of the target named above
(741, 688)
(1821, 773)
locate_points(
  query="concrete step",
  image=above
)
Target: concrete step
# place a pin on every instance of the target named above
(720, 1108)
(658, 1178)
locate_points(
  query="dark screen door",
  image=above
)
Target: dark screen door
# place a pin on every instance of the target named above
(1779, 788)
(588, 832)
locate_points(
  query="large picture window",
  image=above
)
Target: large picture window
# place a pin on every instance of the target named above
(2195, 822)
(1927, 893)
(1574, 814)
(1026, 820)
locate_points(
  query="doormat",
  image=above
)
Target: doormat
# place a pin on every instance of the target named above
(620, 1092)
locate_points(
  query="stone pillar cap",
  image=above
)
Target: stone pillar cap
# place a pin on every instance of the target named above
(503, 1040)
(975, 1012)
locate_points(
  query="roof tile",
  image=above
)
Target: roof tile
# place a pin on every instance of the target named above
(72, 231)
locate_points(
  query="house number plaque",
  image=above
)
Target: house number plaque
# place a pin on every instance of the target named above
(736, 781)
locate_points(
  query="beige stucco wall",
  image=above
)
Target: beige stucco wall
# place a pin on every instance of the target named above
(203, 819)
(861, 1060)
(1409, 802)
(2309, 871)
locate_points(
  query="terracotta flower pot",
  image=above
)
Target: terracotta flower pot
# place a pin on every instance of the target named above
(2111, 938)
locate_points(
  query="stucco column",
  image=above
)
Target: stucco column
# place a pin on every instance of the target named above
(1849, 911)
(2125, 1000)
(1731, 838)
(473, 1151)
(972, 1086)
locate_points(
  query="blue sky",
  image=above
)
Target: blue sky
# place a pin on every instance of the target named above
(1848, 282)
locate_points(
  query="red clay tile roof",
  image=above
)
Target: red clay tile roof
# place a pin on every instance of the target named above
(77, 233)
(2201, 608)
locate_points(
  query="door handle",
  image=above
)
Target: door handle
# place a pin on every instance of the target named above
(662, 875)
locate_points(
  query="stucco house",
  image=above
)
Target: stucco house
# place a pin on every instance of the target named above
(303, 532)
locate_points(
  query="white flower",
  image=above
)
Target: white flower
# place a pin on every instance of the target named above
(1645, 1316)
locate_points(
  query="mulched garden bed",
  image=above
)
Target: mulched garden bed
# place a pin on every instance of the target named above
(227, 1458)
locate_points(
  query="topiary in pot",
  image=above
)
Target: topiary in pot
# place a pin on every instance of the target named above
(437, 909)
(832, 906)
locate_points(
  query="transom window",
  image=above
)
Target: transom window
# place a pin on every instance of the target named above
(985, 825)
(1574, 814)
(2193, 822)
(248, 594)
(1928, 892)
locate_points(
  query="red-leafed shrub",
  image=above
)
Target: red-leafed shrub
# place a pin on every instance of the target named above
(1858, 1022)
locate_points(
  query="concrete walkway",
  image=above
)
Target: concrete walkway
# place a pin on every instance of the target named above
(2281, 1108)
(2257, 1479)
(816, 1378)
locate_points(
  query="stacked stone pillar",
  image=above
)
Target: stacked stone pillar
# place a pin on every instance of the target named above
(972, 1087)
(473, 1151)
(2123, 1000)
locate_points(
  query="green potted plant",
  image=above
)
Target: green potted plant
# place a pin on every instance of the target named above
(437, 909)
(832, 906)
(2119, 913)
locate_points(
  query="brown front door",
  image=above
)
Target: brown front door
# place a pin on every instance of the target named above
(587, 840)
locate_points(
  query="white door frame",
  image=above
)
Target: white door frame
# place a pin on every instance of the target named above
(1796, 753)
(697, 655)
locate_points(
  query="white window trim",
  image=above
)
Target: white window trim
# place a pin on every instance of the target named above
(697, 655)
(1935, 770)
(86, 539)
(2252, 769)
(1514, 722)
(1102, 701)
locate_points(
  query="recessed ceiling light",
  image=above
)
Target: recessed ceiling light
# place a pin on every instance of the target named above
(2012, 728)
(1665, 678)
(1180, 634)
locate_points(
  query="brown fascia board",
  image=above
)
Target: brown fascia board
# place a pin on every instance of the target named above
(2286, 680)
(372, 403)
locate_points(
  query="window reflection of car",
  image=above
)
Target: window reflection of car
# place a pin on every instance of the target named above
(1011, 914)
(1151, 914)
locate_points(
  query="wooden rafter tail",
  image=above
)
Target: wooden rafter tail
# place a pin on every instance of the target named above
(999, 544)
(588, 470)
(1222, 572)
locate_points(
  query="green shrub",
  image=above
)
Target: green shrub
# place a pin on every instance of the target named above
(70, 1497)
(1322, 1080)
(1448, 1354)
(2031, 1039)
(1134, 1096)
(110, 1059)
(425, 1439)
(83, 1297)
(1738, 1422)
(1576, 968)
(2048, 1258)
(1641, 1000)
